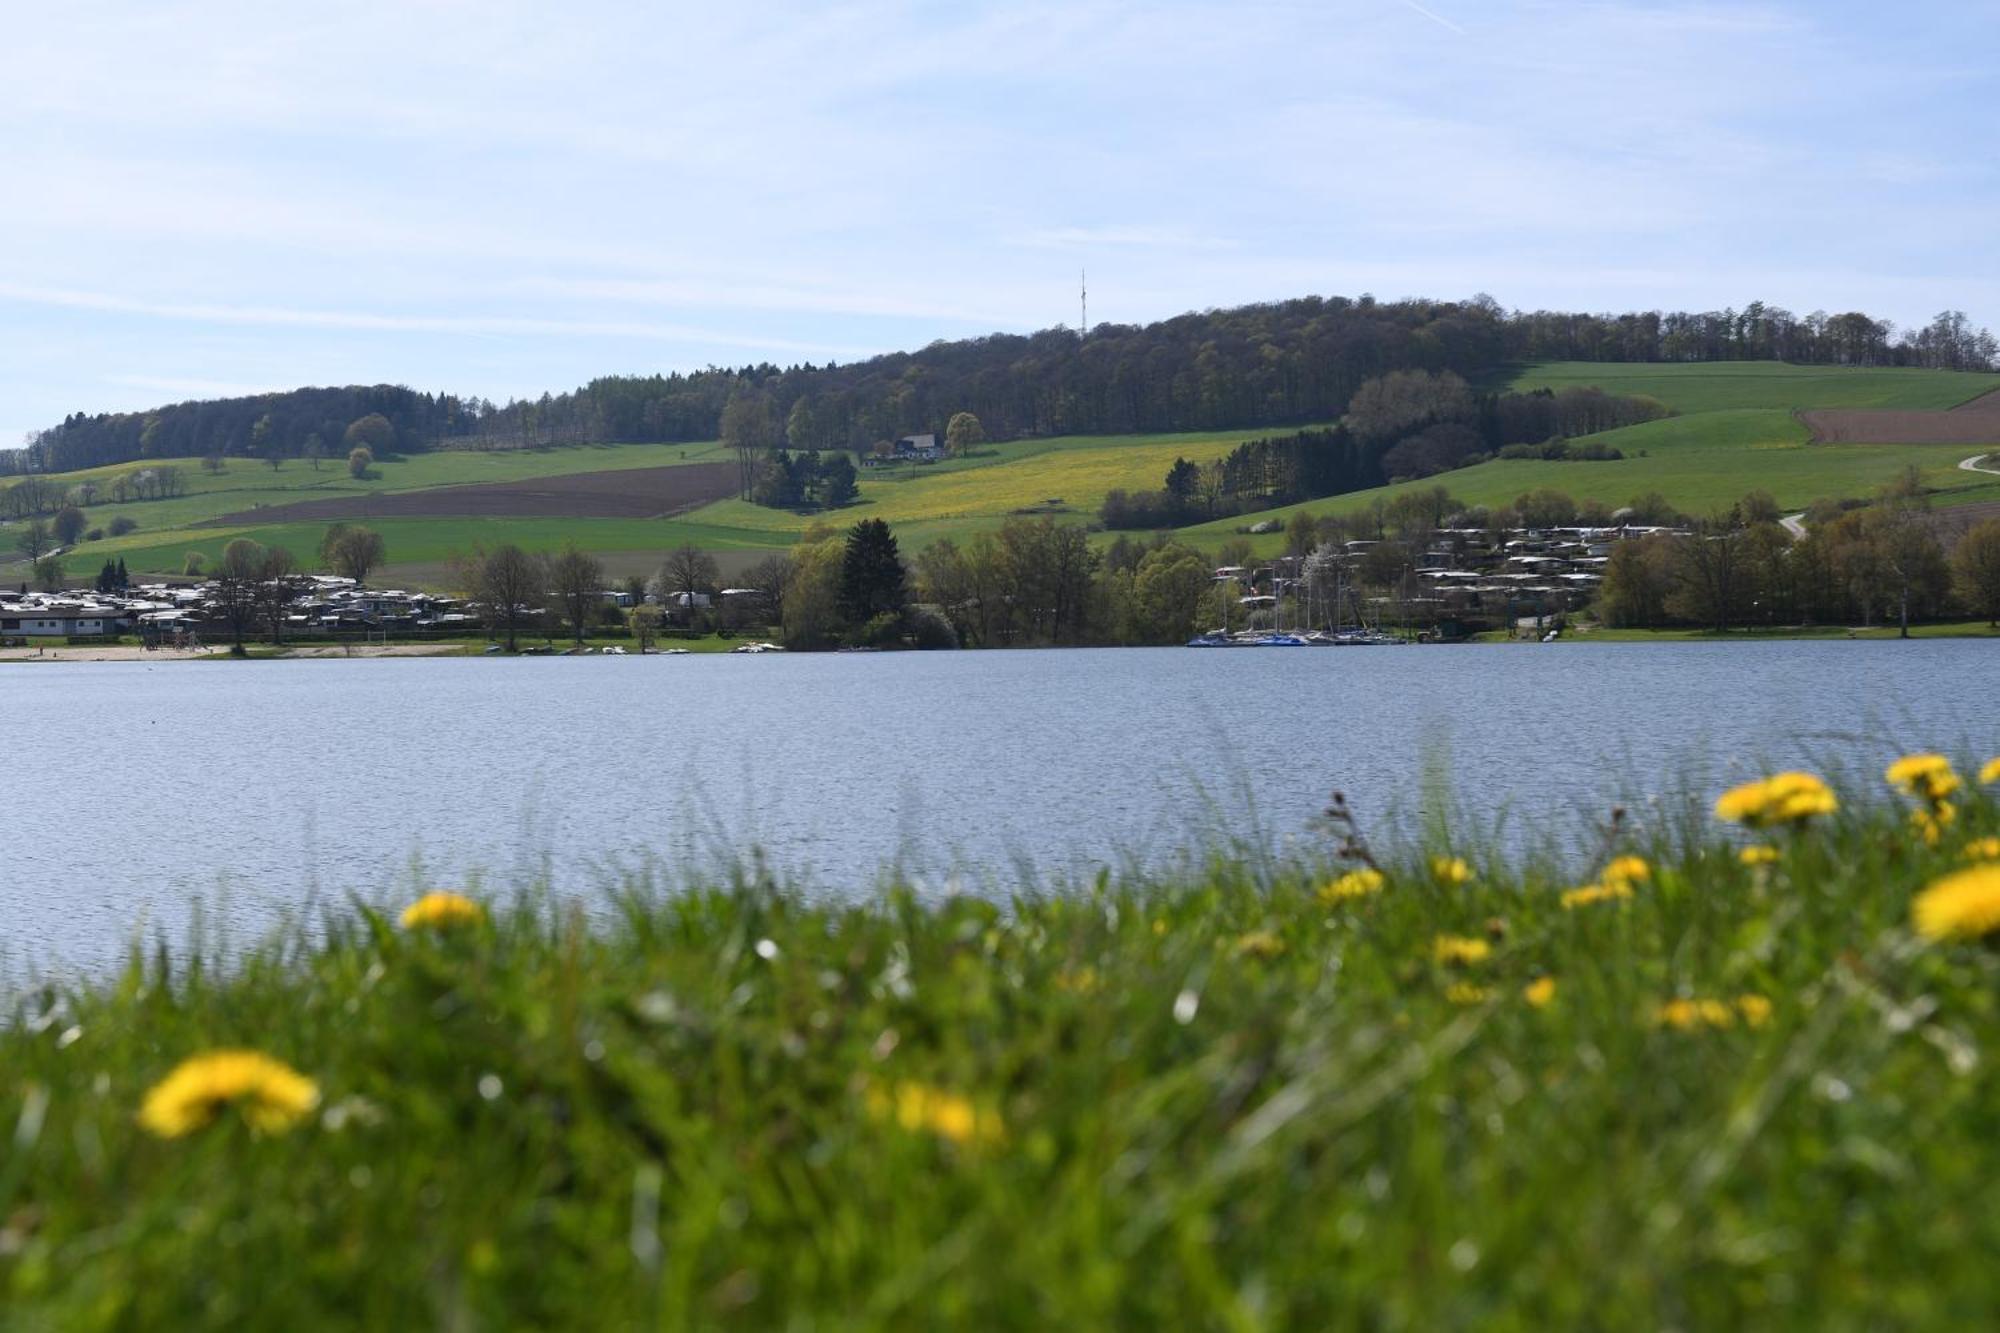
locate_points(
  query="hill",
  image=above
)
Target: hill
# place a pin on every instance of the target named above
(1257, 366)
(1739, 430)
(420, 503)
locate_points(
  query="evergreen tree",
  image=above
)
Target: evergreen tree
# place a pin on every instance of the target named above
(837, 483)
(872, 581)
(124, 579)
(781, 480)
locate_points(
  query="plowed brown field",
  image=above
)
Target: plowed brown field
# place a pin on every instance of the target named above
(1976, 422)
(651, 492)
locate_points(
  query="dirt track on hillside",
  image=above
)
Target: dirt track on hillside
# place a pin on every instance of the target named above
(1976, 422)
(651, 492)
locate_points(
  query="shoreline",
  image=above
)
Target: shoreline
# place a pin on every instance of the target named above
(109, 652)
(477, 648)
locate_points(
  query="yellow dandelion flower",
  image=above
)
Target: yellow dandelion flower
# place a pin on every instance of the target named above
(1983, 849)
(1078, 981)
(1686, 1015)
(1626, 871)
(1460, 950)
(1462, 992)
(1990, 774)
(1930, 824)
(267, 1093)
(1783, 798)
(1758, 856)
(438, 911)
(1591, 894)
(1450, 870)
(1963, 905)
(1354, 884)
(1756, 1010)
(922, 1109)
(1259, 944)
(1928, 776)
(1539, 992)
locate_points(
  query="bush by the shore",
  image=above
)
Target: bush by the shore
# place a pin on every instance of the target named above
(1740, 1077)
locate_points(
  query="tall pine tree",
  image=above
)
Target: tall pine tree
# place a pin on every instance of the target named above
(872, 581)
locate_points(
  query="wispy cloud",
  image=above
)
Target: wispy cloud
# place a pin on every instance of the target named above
(1432, 15)
(188, 387)
(756, 291)
(481, 326)
(1129, 237)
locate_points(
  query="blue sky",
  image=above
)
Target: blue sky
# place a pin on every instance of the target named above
(497, 198)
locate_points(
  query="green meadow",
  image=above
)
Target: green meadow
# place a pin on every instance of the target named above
(1721, 386)
(1699, 463)
(1736, 432)
(955, 498)
(1242, 1096)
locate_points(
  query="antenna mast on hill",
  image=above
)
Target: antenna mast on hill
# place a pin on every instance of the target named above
(1083, 293)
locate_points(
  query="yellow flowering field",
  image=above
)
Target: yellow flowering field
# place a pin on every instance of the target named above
(1733, 1070)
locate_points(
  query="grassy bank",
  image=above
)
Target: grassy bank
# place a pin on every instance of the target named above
(1709, 1094)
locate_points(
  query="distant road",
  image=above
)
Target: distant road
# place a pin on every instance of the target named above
(1794, 524)
(1972, 465)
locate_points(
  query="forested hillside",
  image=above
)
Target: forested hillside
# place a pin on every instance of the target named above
(1283, 364)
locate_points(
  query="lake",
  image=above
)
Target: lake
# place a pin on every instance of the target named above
(136, 789)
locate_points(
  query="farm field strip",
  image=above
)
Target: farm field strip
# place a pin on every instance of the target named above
(1716, 386)
(1079, 477)
(246, 485)
(1976, 422)
(626, 493)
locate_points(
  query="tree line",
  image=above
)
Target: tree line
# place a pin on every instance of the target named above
(1041, 582)
(1286, 363)
(1891, 562)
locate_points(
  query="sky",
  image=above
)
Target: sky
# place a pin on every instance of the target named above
(498, 198)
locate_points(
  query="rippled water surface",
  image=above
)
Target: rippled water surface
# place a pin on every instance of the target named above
(136, 788)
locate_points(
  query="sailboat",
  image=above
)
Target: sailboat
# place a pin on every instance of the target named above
(1339, 635)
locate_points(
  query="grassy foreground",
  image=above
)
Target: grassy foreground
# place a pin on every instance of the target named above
(1709, 1094)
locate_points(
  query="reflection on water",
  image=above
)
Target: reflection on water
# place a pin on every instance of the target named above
(134, 788)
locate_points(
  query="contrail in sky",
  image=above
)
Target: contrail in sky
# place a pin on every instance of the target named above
(1433, 16)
